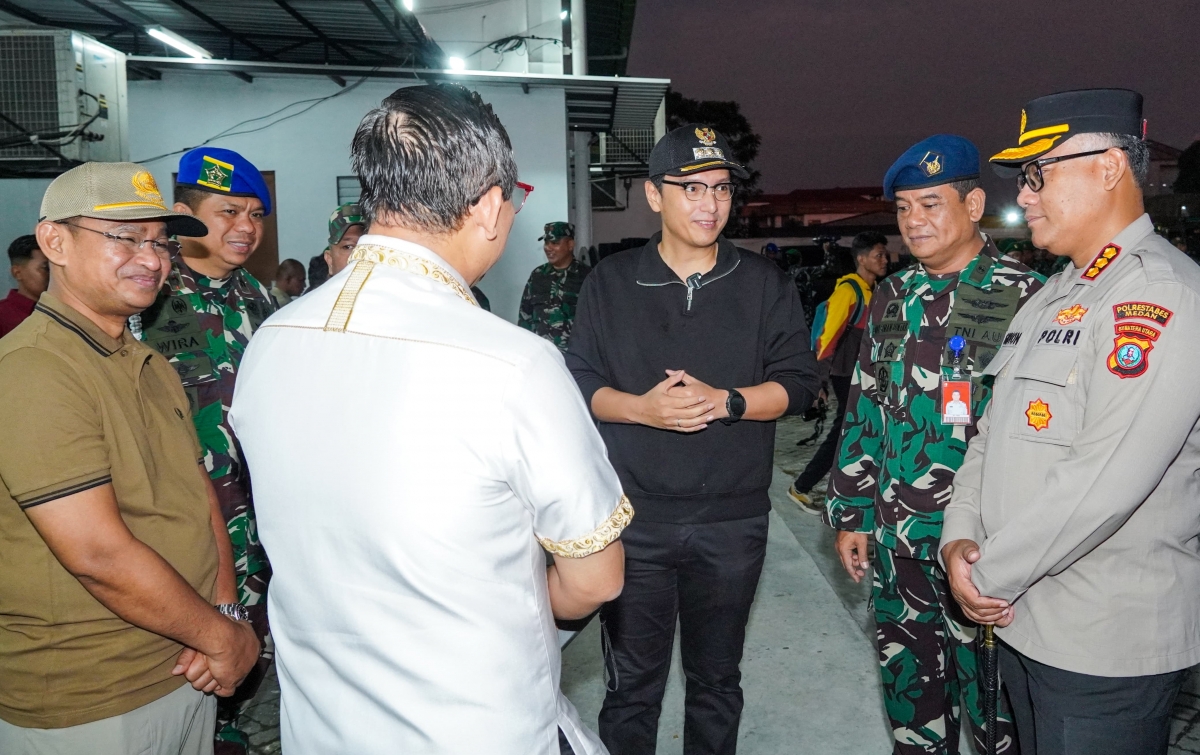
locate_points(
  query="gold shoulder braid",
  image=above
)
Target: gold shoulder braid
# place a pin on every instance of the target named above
(598, 539)
(365, 257)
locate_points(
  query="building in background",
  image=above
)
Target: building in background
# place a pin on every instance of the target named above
(285, 83)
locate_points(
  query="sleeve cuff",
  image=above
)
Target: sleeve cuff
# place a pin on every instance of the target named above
(596, 540)
(988, 587)
(959, 526)
(62, 490)
(846, 517)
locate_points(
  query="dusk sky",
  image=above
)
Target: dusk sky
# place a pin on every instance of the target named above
(839, 88)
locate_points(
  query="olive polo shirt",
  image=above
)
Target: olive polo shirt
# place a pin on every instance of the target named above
(81, 410)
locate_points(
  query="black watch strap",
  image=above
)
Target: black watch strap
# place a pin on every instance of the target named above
(735, 405)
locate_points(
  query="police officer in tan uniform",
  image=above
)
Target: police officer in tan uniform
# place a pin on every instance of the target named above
(1074, 524)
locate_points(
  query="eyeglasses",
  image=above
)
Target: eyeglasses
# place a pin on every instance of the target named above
(520, 194)
(1031, 173)
(133, 245)
(695, 190)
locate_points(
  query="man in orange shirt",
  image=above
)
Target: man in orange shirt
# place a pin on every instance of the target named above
(836, 334)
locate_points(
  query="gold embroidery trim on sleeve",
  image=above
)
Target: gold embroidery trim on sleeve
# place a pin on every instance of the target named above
(598, 539)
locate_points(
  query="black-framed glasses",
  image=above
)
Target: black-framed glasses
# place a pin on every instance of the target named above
(1031, 172)
(520, 194)
(695, 190)
(161, 247)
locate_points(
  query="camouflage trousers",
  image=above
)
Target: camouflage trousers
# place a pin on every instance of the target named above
(928, 661)
(253, 576)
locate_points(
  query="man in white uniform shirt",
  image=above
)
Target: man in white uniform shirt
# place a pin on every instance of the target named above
(411, 604)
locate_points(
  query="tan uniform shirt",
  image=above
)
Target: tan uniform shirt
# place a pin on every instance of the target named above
(1082, 483)
(81, 409)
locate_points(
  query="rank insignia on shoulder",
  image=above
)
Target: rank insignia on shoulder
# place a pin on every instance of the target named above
(1128, 310)
(1071, 314)
(1131, 349)
(1038, 414)
(1105, 258)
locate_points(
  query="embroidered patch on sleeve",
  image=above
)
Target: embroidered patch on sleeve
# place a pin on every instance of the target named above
(1038, 414)
(1131, 349)
(1144, 310)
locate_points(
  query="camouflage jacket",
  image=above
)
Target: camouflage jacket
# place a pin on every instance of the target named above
(548, 304)
(896, 460)
(202, 327)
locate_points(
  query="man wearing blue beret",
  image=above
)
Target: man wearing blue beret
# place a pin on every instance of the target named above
(202, 322)
(932, 329)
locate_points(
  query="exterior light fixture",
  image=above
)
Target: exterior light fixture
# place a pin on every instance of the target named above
(1012, 217)
(187, 47)
(563, 15)
(408, 5)
(457, 64)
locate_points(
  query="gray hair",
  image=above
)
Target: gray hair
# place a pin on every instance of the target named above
(428, 154)
(1134, 147)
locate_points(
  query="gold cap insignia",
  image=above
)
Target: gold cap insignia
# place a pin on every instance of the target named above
(706, 136)
(931, 163)
(1023, 121)
(145, 187)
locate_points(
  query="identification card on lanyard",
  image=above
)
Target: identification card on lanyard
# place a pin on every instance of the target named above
(956, 388)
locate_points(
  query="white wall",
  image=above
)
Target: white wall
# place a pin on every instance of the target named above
(637, 220)
(309, 151)
(20, 198)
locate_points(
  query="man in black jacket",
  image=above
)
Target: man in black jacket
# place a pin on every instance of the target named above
(687, 351)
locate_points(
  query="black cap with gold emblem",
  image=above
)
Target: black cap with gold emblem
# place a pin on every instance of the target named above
(692, 149)
(1049, 121)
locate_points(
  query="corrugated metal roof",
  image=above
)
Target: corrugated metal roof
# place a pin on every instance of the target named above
(356, 32)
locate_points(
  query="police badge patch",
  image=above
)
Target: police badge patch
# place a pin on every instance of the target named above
(1131, 349)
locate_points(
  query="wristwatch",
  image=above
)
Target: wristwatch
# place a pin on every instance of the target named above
(235, 611)
(735, 405)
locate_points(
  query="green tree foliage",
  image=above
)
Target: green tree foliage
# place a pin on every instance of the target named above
(1188, 181)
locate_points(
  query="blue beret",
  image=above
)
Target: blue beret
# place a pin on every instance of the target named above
(938, 160)
(223, 171)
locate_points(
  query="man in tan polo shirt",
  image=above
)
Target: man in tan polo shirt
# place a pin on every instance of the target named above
(112, 545)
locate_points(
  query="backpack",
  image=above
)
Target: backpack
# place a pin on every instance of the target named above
(822, 313)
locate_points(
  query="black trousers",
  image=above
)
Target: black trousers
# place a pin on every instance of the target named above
(823, 460)
(1061, 712)
(704, 575)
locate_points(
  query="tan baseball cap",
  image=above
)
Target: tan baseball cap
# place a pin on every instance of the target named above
(113, 191)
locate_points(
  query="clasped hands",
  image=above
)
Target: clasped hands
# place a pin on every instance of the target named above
(682, 403)
(220, 672)
(958, 556)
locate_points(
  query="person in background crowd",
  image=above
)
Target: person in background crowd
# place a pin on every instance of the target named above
(289, 283)
(115, 550)
(412, 604)
(481, 297)
(837, 333)
(31, 271)
(346, 226)
(552, 293)
(318, 271)
(901, 445)
(687, 350)
(1075, 519)
(202, 321)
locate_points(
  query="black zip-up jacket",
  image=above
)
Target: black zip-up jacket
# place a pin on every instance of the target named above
(739, 325)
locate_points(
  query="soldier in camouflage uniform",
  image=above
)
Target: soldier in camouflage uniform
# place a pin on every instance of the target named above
(548, 304)
(897, 458)
(201, 322)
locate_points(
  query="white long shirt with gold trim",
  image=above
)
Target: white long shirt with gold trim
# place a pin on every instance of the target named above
(411, 455)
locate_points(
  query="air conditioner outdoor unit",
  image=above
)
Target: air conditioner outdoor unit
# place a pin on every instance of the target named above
(63, 100)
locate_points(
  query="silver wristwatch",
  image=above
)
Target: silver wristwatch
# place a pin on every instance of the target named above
(235, 611)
